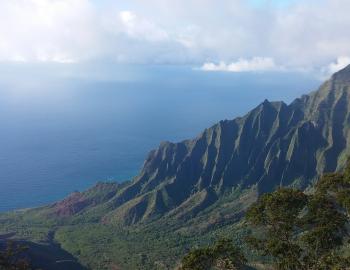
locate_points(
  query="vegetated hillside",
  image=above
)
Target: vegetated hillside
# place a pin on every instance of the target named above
(273, 145)
(291, 229)
(196, 189)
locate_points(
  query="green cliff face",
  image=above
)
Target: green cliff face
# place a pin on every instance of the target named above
(197, 186)
(273, 145)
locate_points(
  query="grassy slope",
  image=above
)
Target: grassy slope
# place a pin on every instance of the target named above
(156, 244)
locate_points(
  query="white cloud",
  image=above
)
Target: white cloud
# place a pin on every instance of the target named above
(244, 65)
(46, 30)
(302, 36)
(140, 28)
(339, 64)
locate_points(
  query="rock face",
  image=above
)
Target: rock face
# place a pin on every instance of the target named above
(273, 145)
(77, 201)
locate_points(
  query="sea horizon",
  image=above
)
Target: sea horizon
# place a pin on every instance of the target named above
(62, 135)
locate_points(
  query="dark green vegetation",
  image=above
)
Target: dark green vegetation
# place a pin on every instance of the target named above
(24, 255)
(195, 191)
(293, 229)
(223, 255)
(12, 257)
(304, 231)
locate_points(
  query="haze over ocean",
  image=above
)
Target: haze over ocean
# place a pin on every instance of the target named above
(65, 133)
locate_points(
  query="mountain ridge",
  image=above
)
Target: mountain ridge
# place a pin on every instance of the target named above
(275, 144)
(245, 150)
(199, 188)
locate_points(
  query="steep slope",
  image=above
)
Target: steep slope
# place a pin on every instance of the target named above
(273, 145)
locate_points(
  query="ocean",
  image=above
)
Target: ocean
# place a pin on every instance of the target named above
(64, 129)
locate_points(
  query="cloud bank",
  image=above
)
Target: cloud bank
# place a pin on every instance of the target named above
(244, 65)
(237, 34)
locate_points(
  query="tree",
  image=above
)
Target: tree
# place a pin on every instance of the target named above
(11, 258)
(223, 255)
(277, 215)
(324, 232)
(304, 231)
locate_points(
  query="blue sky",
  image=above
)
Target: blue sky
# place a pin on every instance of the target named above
(226, 35)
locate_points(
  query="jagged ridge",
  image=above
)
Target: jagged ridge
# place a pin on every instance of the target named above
(273, 145)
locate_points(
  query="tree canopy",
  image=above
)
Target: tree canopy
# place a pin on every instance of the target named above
(223, 255)
(296, 230)
(12, 258)
(304, 230)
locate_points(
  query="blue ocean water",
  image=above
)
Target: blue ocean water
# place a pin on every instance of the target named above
(63, 130)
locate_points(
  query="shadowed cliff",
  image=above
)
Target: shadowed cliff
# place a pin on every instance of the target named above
(273, 145)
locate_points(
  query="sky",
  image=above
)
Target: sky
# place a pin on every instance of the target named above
(212, 35)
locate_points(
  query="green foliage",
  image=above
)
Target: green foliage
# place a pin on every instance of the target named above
(337, 186)
(223, 255)
(304, 231)
(278, 213)
(156, 245)
(11, 258)
(325, 226)
(199, 259)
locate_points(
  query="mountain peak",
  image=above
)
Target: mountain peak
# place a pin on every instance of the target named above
(345, 70)
(343, 74)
